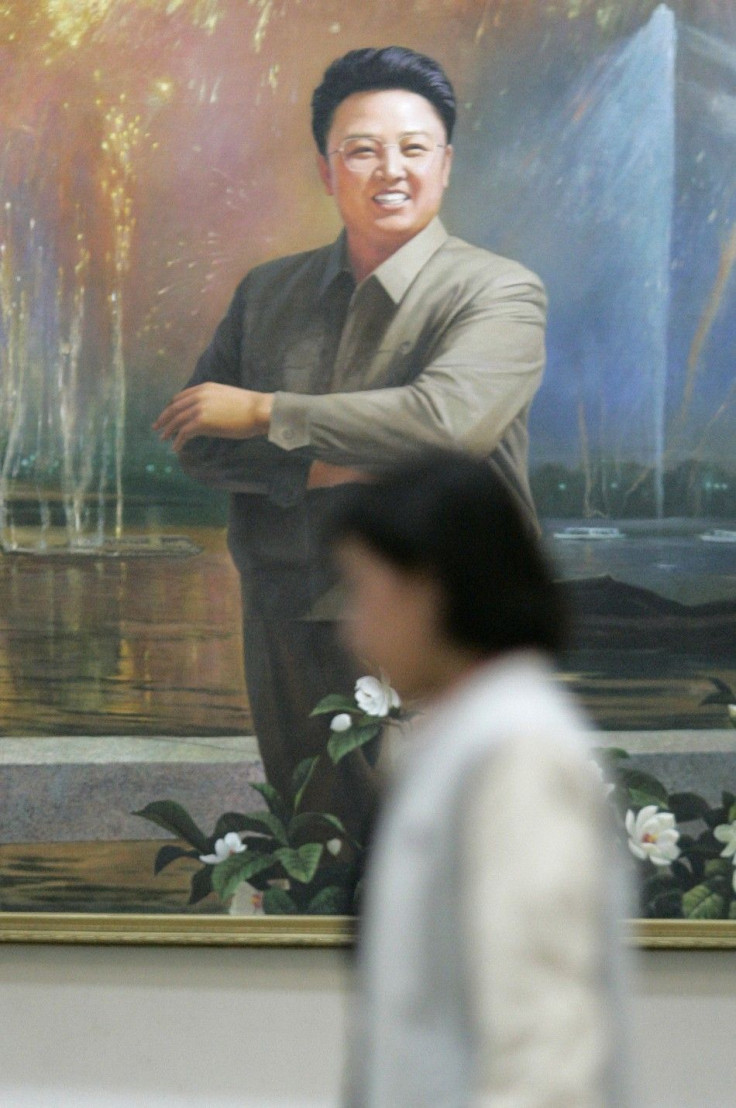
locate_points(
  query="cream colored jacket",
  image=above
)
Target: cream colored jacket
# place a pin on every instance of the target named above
(490, 966)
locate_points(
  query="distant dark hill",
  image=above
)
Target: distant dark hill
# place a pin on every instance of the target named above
(609, 614)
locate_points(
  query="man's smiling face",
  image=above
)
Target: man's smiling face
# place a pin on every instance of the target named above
(386, 201)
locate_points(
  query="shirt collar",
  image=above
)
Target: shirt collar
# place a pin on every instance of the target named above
(397, 272)
(337, 263)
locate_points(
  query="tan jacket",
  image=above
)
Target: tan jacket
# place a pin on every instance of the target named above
(443, 344)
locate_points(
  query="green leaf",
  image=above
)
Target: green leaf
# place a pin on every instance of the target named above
(264, 823)
(715, 816)
(168, 854)
(732, 813)
(732, 909)
(172, 817)
(643, 789)
(718, 867)
(227, 875)
(666, 905)
(309, 819)
(301, 777)
(341, 743)
(300, 864)
(701, 902)
(259, 843)
(274, 800)
(277, 902)
(334, 702)
(656, 884)
(331, 901)
(229, 821)
(201, 885)
(687, 806)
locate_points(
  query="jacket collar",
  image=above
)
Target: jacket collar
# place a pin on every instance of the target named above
(396, 274)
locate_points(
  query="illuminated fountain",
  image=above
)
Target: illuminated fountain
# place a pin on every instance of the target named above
(63, 392)
(605, 188)
(51, 453)
(63, 374)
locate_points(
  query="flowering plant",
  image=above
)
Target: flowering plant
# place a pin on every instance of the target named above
(359, 720)
(283, 852)
(683, 848)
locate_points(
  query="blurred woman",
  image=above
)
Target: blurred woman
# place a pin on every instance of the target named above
(488, 955)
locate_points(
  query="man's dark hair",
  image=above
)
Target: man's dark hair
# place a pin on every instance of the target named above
(451, 517)
(387, 68)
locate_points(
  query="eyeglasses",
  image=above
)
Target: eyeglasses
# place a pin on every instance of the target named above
(363, 155)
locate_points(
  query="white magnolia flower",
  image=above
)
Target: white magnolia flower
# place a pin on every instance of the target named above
(224, 847)
(726, 833)
(653, 835)
(333, 846)
(374, 697)
(341, 722)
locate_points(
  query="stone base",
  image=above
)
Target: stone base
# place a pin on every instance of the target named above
(75, 789)
(684, 761)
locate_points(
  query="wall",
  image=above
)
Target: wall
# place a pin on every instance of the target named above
(96, 1027)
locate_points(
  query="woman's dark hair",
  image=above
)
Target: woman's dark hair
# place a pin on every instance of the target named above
(452, 517)
(386, 68)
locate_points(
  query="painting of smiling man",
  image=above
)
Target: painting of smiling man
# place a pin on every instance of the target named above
(334, 363)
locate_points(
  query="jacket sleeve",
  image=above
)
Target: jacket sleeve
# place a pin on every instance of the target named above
(482, 374)
(251, 465)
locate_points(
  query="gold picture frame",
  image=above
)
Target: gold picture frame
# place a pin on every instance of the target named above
(166, 930)
(119, 130)
(299, 931)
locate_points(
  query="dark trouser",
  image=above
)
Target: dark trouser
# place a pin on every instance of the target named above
(290, 665)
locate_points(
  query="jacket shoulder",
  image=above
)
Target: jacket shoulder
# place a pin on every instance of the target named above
(307, 263)
(487, 265)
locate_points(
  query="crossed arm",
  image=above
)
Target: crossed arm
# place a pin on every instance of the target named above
(217, 410)
(484, 372)
(229, 412)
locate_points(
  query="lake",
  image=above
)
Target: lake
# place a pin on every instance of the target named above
(152, 645)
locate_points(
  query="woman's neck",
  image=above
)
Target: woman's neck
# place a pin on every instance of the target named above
(450, 667)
